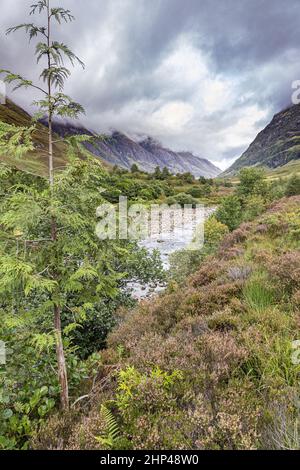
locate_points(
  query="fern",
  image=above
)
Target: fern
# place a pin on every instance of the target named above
(112, 431)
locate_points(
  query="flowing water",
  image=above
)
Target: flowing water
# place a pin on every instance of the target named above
(166, 245)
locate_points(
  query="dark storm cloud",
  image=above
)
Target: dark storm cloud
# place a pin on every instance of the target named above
(203, 75)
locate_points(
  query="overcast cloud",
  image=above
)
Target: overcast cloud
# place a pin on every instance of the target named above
(199, 75)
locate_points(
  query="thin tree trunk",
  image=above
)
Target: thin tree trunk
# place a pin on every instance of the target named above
(61, 362)
(50, 133)
(62, 369)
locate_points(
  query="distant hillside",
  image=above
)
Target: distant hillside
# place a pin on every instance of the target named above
(119, 149)
(276, 145)
(36, 161)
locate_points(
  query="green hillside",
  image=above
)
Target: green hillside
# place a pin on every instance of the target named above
(35, 162)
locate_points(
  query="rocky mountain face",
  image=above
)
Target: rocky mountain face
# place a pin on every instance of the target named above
(119, 149)
(275, 145)
(180, 162)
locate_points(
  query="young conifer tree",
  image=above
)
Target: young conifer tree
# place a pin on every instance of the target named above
(54, 102)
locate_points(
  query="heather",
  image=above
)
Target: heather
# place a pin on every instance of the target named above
(206, 366)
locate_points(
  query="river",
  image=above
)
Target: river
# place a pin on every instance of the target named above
(181, 237)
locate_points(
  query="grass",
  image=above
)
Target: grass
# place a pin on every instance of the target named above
(284, 172)
(291, 168)
(258, 294)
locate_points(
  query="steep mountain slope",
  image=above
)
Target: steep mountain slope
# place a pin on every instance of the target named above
(275, 145)
(35, 162)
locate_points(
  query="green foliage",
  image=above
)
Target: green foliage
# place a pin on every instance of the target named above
(54, 74)
(254, 206)
(251, 181)
(200, 191)
(258, 293)
(183, 263)
(182, 199)
(157, 173)
(131, 396)
(15, 141)
(214, 232)
(293, 186)
(186, 177)
(89, 285)
(110, 437)
(165, 173)
(230, 212)
(134, 168)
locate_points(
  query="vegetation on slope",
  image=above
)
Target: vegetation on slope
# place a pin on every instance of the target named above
(209, 365)
(36, 160)
(274, 146)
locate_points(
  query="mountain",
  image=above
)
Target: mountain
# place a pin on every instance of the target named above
(274, 146)
(115, 149)
(119, 149)
(180, 162)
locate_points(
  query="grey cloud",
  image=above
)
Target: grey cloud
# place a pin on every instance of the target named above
(252, 46)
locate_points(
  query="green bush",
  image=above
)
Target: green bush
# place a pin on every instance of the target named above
(198, 192)
(293, 186)
(230, 212)
(251, 182)
(214, 232)
(182, 199)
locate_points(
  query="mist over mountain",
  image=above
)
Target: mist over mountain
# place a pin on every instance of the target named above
(119, 149)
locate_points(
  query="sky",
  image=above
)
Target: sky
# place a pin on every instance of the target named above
(198, 75)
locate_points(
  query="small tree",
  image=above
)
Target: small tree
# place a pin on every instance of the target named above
(187, 177)
(134, 168)
(230, 212)
(165, 173)
(251, 182)
(53, 102)
(157, 173)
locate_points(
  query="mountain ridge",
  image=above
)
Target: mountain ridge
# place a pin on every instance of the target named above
(275, 145)
(121, 150)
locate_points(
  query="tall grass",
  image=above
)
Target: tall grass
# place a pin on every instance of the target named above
(258, 293)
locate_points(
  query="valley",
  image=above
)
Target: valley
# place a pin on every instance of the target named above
(149, 301)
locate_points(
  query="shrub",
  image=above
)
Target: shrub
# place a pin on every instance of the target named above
(293, 186)
(251, 182)
(183, 263)
(182, 199)
(214, 232)
(230, 212)
(198, 192)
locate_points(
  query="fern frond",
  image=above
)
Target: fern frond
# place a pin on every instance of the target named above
(112, 431)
